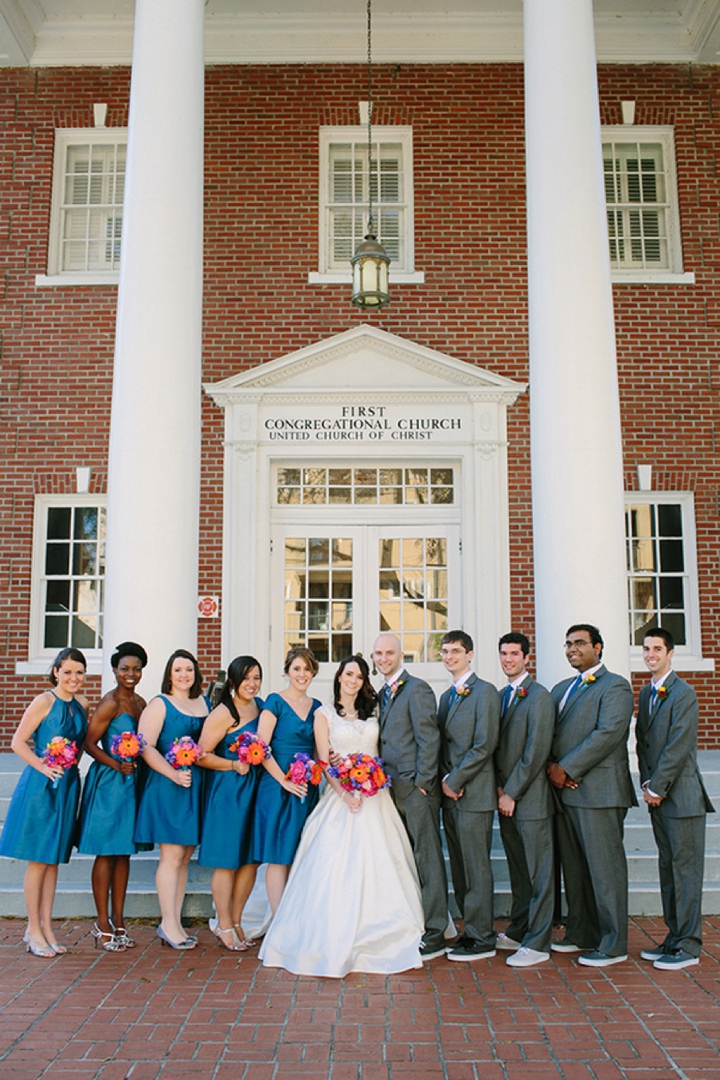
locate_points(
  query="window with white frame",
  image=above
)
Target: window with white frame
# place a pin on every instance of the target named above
(642, 204)
(68, 574)
(662, 567)
(87, 205)
(346, 183)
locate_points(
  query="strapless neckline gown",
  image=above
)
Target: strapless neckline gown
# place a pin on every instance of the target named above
(109, 801)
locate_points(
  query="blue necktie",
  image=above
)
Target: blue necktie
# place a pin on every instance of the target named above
(653, 697)
(575, 686)
(385, 697)
(453, 697)
(507, 696)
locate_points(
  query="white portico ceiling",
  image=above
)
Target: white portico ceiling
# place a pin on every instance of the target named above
(41, 33)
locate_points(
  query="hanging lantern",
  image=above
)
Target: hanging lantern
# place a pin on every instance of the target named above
(370, 265)
(371, 262)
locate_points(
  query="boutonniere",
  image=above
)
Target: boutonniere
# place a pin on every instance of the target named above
(590, 678)
(662, 692)
(463, 691)
(521, 692)
(395, 686)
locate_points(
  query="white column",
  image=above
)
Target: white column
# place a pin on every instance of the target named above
(575, 416)
(154, 458)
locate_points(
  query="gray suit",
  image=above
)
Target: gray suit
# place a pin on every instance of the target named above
(469, 731)
(526, 735)
(591, 746)
(667, 757)
(410, 747)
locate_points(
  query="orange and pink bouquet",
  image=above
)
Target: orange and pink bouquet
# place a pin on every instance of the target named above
(305, 770)
(250, 748)
(361, 773)
(183, 753)
(127, 746)
(60, 753)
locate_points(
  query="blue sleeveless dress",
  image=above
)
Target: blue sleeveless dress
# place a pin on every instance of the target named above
(229, 805)
(279, 816)
(40, 823)
(169, 813)
(109, 801)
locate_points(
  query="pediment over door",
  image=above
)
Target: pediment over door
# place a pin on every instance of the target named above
(364, 361)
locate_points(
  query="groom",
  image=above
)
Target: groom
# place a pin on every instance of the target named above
(410, 747)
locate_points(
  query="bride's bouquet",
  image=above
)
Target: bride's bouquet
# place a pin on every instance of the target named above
(361, 774)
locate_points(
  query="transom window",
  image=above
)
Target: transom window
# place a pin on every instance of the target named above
(346, 183)
(641, 197)
(86, 224)
(366, 486)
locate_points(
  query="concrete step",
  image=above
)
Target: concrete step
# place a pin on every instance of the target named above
(74, 896)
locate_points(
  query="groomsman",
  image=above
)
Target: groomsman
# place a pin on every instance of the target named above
(589, 767)
(410, 747)
(468, 716)
(525, 804)
(673, 790)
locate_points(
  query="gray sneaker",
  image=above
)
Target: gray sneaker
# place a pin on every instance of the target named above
(653, 954)
(505, 942)
(676, 961)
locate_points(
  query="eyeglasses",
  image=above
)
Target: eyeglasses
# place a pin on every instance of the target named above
(576, 644)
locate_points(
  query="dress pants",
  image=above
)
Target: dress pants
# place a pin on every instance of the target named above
(595, 874)
(421, 817)
(469, 838)
(681, 858)
(529, 850)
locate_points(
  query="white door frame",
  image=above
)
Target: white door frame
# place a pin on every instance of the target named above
(367, 396)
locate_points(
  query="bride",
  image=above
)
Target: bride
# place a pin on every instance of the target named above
(352, 901)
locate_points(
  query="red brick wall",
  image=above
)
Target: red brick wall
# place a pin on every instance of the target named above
(261, 241)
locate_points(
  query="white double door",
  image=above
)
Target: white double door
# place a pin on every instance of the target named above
(336, 587)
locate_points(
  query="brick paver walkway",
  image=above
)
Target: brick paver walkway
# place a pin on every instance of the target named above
(153, 1013)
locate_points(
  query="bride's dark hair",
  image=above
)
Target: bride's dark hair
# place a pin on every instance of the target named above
(366, 699)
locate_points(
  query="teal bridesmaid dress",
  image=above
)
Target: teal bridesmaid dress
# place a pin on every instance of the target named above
(280, 816)
(109, 801)
(40, 823)
(229, 807)
(169, 813)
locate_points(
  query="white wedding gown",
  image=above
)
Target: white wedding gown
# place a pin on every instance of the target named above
(352, 901)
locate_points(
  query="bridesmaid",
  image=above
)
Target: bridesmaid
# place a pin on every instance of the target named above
(41, 817)
(286, 724)
(109, 800)
(171, 803)
(230, 799)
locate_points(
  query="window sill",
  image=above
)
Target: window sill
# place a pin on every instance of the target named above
(344, 277)
(679, 663)
(42, 666)
(649, 277)
(45, 281)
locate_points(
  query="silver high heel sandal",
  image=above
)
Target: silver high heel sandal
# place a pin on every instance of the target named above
(122, 935)
(237, 945)
(112, 945)
(247, 942)
(46, 952)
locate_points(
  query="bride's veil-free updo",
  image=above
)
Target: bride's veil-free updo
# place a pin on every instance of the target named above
(366, 700)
